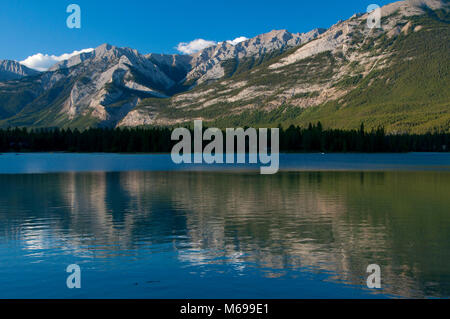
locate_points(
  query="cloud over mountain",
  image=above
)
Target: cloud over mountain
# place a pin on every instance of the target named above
(200, 44)
(42, 62)
(194, 46)
(237, 40)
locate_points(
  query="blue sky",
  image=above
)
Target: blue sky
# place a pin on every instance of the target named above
(28, 27)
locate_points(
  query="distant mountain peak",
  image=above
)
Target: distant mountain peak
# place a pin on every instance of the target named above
(105, 47)
(13, 70)
(114, 86)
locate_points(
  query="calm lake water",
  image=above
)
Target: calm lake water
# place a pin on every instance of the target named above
(142, 227)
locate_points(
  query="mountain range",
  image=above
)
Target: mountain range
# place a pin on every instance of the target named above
(12, 70)
(396, 76)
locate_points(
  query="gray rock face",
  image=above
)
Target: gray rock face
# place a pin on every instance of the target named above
(108, 82)
(12, 70)
(339, 37)
(106, 85)
(278, 83)
(206, 63)
(77, 59)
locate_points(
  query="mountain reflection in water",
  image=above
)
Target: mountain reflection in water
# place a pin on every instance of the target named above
(326, 224)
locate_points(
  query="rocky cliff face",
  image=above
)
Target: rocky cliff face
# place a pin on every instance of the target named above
(104, 85)
(344, 76)
(12, 70)
(113, 86)
(206, 64)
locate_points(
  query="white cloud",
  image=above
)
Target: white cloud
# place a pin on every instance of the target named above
(237, 40)
(200, 44)
(194, 46)
(42, 62)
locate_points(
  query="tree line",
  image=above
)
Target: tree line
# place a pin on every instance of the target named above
(158, 139)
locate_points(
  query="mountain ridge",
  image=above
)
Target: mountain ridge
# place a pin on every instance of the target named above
(13, 70)
(288, 74)
(108, 82)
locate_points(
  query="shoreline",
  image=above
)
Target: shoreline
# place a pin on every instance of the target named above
(60, 162)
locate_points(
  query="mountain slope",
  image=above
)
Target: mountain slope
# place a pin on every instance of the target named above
(396, 76)
(101, 87)
(207, 66)
(411, 94)
(12, 70)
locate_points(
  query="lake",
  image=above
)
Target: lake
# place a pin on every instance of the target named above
(140, 226)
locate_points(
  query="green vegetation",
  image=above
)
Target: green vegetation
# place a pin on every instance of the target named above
(405, 91)
(235, 67)
(409, 94)
(15, 95)
(156, 139)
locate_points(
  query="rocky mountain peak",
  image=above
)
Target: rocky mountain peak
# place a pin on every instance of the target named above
(276, 35)
(206, 64)
(104, 47)
(109, 84)
(13, 70)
